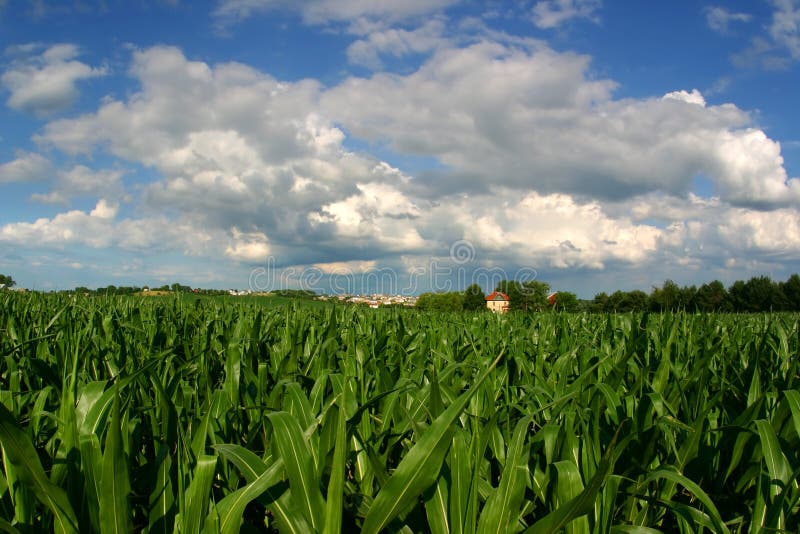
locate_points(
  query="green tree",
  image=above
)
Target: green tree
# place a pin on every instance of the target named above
(626, 301)
(600, 303)
(737, 300)
(6, 281)
(534, 295)
(791, 290)
(667, 297)
(566, 301)
(711, 297)
(759, 293)
(452, 301)
(474, 299)
(764, 295)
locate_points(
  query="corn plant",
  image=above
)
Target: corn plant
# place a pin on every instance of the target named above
(221, 415)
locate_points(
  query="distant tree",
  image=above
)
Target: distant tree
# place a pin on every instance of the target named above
(452, 301)
(180, 288)
(737, 299)
(758, 294)
(617, 301)
(305, 294)
(791, 290)
(686, 298)
(474, 298)
(636, 300)
(6, 281)
(626, 301)
(764, 295)
(667, 297)
(711, 297)
(534, 295)
(599, 303)
(566, 301)
(425, 301)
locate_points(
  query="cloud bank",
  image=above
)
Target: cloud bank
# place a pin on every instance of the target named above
(528, 157)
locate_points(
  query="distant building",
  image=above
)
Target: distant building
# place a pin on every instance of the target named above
(498, 302)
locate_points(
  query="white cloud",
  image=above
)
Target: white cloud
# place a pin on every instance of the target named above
(553, 13)
(346, 267)
(81, 181)
(538, 165)
(72, 227)
(719, 18)
(396, 42)
(379, 215)
(785, 27)
(251, 247)
(46, 83)
(534, 120)
(693, 97)
(553, 231)
(324, 11)
(780, 46)
(26, 167)
(237, 150)
(713, 233)
(100, 228)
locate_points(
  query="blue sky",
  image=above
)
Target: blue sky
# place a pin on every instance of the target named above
(404, 145)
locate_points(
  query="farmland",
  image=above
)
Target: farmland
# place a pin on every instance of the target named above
(162, 415)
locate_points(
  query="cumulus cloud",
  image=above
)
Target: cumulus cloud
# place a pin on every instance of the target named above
(693, 97)
(780, 45)
(719, 18)
(785, 27)
(375, 215)
(396, 42)
(553, 230)
(324, 11)
(713, 233)
(553, 13)
(534, 119)
(100, 227)
(536, 164)
(235, 147)
(81, 181)
(45, 83)
(74, 226)
(251, 247)
(26, 167)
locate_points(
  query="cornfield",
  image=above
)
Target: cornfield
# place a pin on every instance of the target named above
(170, 415)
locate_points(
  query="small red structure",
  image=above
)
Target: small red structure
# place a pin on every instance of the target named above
(551, 298)
(498, 302)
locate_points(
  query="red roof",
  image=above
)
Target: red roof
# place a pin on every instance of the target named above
(495, 294)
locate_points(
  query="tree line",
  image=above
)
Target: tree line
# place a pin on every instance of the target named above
(523, 296)
(758, 294)
(131, 290)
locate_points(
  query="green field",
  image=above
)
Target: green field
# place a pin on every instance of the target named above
(215, 415)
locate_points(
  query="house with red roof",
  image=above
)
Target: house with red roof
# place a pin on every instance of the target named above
(498, 302)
